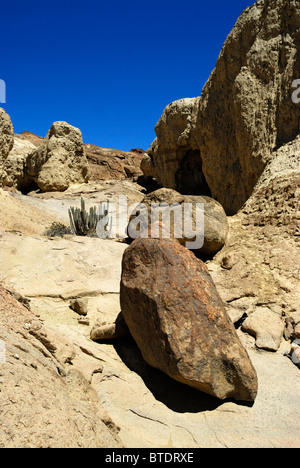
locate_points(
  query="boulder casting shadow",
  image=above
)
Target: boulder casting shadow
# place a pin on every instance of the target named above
(176, 396)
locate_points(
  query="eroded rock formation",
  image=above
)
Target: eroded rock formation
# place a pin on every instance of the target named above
(60, 160)
(219, 144)
(6, 139)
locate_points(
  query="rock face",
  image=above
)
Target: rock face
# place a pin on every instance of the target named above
(107, 164)
(177, 319)
(60, 160)
(219, 144)
(31, 137)
(260, 262)
(6, 139)
(40, 394)
(275, 199)
(15, 164)
(150, 408)
(24, 165)
(171, 205)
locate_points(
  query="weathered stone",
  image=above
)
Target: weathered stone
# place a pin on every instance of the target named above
(28, 215)
(117, 329)
(60, 160)
(15, 165)
(266, 326)
(219, 144)
(40, 394)
(108, 164)
(6, 139)
(177, 319)
(289, 328)
(171, 206)
(80, 306)
(295, 352)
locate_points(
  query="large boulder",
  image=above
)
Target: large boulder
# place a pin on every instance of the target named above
(60, 160)
(219, 144)
(14, 174)
(6, 139)
(177, 319)
(172, 206)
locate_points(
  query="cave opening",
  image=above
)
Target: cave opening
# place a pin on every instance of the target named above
(29, 186)
(190, 179)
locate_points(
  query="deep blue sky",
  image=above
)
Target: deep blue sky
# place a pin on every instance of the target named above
(108, 67)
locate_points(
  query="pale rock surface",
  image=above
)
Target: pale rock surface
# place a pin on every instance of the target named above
(15, 164)
(6, 139)
(45, 403)
(219, 144)
(60, 160)
(245, 118)
(72, 267)
(267, 327)
(26, 215)
(150, 409)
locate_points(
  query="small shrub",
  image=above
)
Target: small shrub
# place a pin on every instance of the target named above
(57, 230)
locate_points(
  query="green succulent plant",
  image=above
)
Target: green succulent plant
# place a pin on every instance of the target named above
(84, 223)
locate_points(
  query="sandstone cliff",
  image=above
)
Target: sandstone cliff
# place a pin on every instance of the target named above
(219, 144)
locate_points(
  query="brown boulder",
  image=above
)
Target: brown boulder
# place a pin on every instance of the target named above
(178, 320)
(108, 163)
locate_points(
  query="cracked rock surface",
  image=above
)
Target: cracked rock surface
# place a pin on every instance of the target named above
(139, 405)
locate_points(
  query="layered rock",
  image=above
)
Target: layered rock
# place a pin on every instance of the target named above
(31, 137)
(107, 164)
(6, 139)
(187, 227)
(177, 319)
(60, 160)
(40, 393)
(219, 144)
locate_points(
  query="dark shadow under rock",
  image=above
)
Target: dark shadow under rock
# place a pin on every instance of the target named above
(176, 396)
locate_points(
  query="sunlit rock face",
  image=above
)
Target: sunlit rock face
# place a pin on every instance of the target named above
(219, 144)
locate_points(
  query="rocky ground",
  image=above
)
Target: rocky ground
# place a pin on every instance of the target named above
(142, 407)
(62, 386)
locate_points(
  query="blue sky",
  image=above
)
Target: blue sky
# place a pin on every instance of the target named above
(109, 68)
